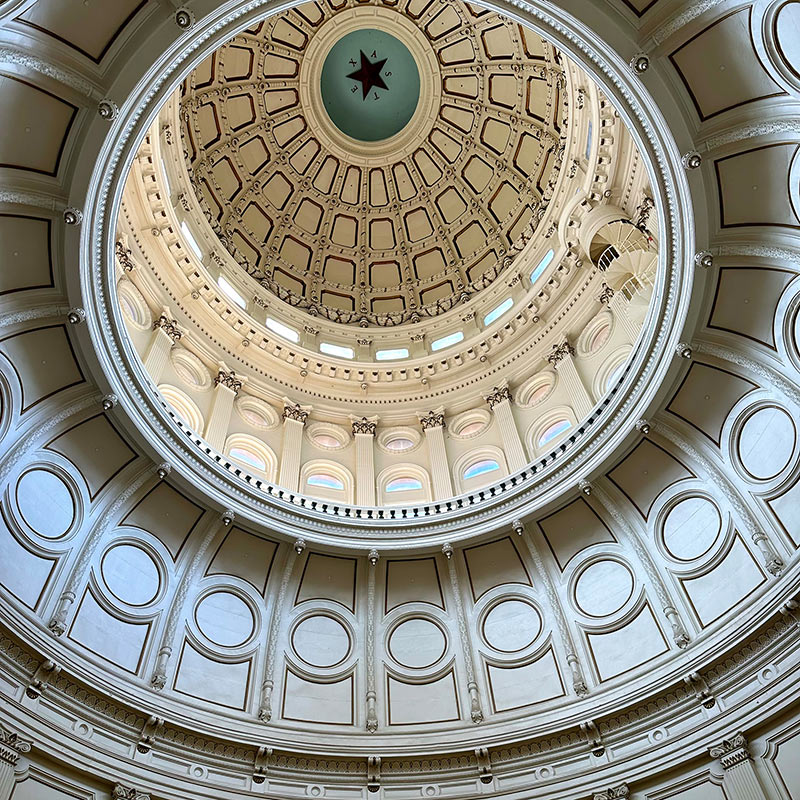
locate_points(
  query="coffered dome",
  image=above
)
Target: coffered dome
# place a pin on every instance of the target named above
(383, 206)
(541, 540)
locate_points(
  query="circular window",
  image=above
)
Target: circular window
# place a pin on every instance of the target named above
(398, 440)
(256, 412)
(599, 338)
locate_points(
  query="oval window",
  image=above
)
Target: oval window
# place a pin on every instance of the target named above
(326, 440)
(599, 338)
(472, 428)
(399, 444)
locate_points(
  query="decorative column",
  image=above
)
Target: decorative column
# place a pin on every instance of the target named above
(466, 645)
(226, 387)
(578, 681)
(369, 645)
(11, 748)
(364, 434)
(772, 561)
(177, 610)
(499, 401)
(294, 420)
(433, 428)
(679, 634)
(75, 579)
(165, 334)
(561, 360)
(275, 617)
(740, 780)
(618, 305)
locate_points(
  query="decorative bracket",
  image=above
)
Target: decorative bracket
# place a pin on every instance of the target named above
(373, 774)
(484, 765)
(702, 692)
(148, 737)
(592, 735)
(45, 673)
(261, 767)
(791, 608)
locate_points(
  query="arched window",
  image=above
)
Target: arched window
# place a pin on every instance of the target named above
(184, 407)
(324, 480)
(247, 456)
(327, 480)
(253, 454)
(480, 468)
(403, 484)
(553, 431)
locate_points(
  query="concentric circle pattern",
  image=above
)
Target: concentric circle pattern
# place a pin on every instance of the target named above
(452, 458)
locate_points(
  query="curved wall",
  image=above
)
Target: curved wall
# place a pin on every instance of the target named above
(636, 637)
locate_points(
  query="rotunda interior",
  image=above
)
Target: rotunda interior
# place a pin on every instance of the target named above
(399, 398)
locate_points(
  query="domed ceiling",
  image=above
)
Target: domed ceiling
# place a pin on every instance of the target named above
(374, 165)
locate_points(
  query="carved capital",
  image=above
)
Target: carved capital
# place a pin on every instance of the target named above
(123, 255)
(498, 395)
(560, 352)
(605, 296)
(12, 747)
(229, 380)
(616, 793)
(364, 425)
(731, 752)
(295, 412)
(169, 327)
(432, 420)
(121, 792)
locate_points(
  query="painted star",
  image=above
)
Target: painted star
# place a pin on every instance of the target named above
(369, 75)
